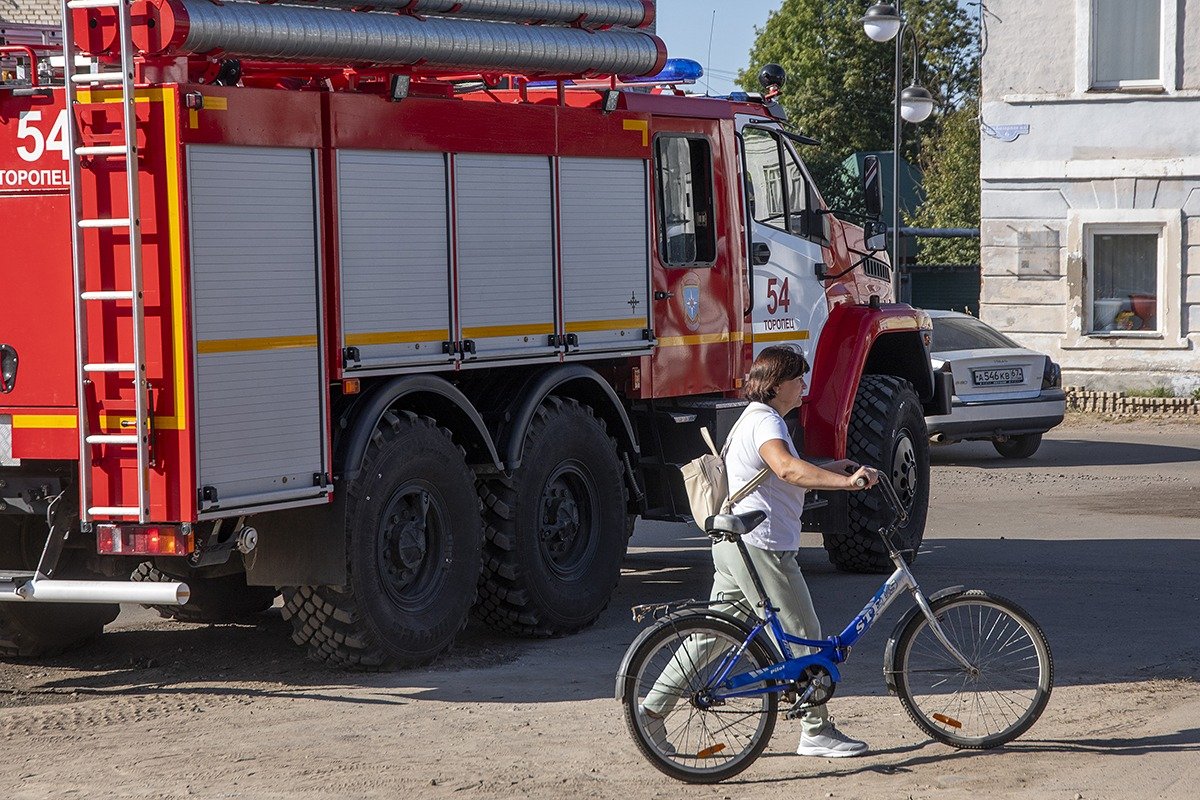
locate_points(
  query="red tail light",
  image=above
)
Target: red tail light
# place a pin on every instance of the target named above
(143, 540)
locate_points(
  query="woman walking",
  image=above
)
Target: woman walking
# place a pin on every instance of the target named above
(761, 439)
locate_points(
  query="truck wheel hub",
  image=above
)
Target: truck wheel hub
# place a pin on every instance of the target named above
(411, 545)
(904, 469)
(566, 524)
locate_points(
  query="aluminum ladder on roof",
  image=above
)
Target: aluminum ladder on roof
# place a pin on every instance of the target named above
(108, 302)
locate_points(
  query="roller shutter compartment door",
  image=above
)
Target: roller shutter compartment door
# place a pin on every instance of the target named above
(505, 254)
(605, 252)
(394, 245)
(255, 306)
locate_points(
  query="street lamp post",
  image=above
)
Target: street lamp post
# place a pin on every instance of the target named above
(882, 23)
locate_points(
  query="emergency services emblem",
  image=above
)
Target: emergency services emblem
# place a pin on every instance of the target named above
(691, 302)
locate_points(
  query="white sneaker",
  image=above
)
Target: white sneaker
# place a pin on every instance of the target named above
(655, 727)
(829, 742)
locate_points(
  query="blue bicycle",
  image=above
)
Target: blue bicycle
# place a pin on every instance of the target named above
(972, 670)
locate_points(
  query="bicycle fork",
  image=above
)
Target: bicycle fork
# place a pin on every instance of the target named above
(934, 625)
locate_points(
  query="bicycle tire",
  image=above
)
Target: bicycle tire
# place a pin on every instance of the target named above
(706, 753)
(996, 705)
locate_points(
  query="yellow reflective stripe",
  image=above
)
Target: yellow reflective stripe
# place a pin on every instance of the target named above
(44, 421)
(396, 337)
(494, 331)
(593, 326)
(115, 95)
(782, 336)
(175, 249)
(639, 126)
(702, 338)
(255, 345)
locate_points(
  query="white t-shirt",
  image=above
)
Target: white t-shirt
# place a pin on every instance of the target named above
(782, 502)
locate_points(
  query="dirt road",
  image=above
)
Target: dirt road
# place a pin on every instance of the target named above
(1097, 536)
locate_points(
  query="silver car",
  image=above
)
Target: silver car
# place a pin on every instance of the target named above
(1003, 393)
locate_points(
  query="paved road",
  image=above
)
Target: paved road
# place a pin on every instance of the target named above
(1096, 536)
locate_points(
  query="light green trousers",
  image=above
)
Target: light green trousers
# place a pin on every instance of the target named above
(779, 571)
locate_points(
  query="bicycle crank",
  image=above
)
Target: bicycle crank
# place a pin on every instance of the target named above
(818, 689)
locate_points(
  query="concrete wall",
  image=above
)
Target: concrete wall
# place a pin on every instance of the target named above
(1089, 158)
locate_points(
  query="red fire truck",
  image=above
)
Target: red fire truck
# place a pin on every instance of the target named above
(399, 313)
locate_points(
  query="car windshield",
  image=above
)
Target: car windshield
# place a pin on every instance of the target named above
(966, 333)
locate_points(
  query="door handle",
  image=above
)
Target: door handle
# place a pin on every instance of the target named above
(661, 295)
(760, 254)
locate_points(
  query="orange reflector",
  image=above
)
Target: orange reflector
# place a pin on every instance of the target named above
(351, 386)
(942, 718)
(709, 752)
(143, 540)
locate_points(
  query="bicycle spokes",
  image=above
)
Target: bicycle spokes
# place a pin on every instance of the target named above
(999, 695)
(678, 713)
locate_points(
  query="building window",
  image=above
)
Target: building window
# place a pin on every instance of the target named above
(687, 223)
(1124, 278)
(1126, 43)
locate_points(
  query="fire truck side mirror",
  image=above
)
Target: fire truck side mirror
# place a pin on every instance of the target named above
(875, 235)
(872, 187)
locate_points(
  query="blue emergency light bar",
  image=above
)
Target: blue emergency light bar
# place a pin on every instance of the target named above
(677, 71)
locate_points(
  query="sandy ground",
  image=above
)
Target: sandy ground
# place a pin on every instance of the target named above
(1096, 536)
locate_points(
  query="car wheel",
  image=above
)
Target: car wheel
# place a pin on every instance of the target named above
(1018, 446)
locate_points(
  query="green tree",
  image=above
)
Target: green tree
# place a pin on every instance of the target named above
(840, 83)
(950, 161)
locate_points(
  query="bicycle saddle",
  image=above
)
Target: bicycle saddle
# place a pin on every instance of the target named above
(730, 525)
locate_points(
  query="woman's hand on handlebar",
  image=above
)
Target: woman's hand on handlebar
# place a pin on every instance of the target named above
(863, 478)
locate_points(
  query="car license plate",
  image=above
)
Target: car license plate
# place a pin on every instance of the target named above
(998, 377)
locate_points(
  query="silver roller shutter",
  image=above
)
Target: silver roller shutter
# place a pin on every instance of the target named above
(505, 253)
(255, 306)
(394, 246)
(605, 252)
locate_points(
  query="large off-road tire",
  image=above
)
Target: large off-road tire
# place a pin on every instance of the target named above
(223, 599)
(37, 630)
(414, 534)
(887, 429)
(557, 529)
(1018, 446)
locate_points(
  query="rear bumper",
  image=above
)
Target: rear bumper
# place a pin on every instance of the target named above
(1010, 418)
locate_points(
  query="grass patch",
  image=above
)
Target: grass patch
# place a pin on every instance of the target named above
(1157, 391)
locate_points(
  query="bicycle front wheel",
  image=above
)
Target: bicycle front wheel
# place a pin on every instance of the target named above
(999, 697)
(671, 709)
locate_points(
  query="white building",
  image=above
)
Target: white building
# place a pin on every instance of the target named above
(38, 12)
(1091, 186)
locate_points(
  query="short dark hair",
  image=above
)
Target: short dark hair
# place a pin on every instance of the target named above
(773, 366)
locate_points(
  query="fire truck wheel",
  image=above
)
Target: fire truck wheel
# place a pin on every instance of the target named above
(414, 536)
(887, 429)
(223, 599)
(42, 629)
(556, 530)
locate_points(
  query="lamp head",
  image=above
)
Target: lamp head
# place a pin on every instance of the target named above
(881, 22)
(916, 104)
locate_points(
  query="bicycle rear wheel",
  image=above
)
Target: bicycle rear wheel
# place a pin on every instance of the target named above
(687, 734)
(1000, 697)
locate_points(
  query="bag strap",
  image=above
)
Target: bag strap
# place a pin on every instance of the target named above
(744, 492)
(704, 433)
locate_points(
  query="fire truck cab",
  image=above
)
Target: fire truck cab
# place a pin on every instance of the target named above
(401, 332)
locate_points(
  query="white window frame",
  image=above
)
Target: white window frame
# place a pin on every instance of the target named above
(1085, 57)
(1082, 226)
(1089, 239)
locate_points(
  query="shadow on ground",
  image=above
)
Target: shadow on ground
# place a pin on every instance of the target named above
(1114, 611)
(1065, 453)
